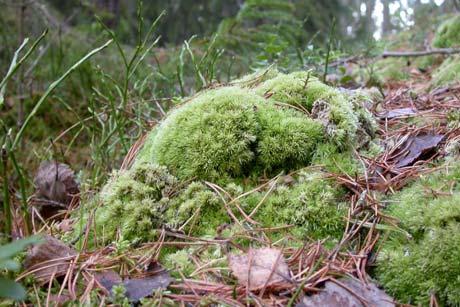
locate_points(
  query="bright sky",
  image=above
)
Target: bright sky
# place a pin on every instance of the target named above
(405, 15)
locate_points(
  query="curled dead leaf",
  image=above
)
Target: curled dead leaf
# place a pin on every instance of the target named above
(50, 258)
(136, 288)
(348, 293)
(55, 188)
(260, 268)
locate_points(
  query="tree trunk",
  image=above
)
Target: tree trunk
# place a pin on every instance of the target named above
(386, 25)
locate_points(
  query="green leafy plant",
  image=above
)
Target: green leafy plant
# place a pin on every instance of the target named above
(9, 288)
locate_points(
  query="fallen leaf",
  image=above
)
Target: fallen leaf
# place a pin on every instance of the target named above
(136, 288)
(416, 147)
(259, 268)
(55, 188)
(395, 113)
(348, 293)
(49, 258)
(108, 279)
(59, 300)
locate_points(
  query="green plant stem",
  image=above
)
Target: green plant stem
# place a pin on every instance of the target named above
(329, 45)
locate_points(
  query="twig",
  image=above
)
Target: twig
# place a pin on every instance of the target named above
(446, 51)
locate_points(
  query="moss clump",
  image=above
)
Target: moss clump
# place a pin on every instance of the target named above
(287, 138)
(327, 104)
(211, 136)
(448, 73)
(312, 205)
(235, 135)
(419, 269)
(232, 132)
(196, 210)
(138, 202)
(424, 260)
(448, 33)
(134, 202)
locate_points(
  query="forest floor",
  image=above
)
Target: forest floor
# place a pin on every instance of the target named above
(413, 129)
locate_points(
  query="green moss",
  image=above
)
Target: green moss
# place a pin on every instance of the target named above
(424, 260)
(335, 161)
(231, 132)
(197, 211)
(287, 138)
(448, 33)
(391, 69)
(312, 205)
(448, 73)
(327, 104)
(413, 272)
(136, 203)
(211, 136)
(424, 63)
(133, 203)
(234, 135)
(180, 261)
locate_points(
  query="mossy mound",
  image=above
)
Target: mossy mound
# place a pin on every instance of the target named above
(255, 128)
(136, 204)
(423, 258)
(448, 73)
(448, 33)
(235, 136)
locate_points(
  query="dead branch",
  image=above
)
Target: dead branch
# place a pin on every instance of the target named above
(447, 51)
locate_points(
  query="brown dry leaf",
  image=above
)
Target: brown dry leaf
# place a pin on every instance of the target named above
(56, 181)
(55, 188)
(395, 113)
(49, 258)
(108, 279)
(259, 268)
(59, 300)
(417, 146)
(136, 288)
(349, 293)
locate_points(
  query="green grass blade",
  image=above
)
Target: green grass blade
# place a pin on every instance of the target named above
(52, 87)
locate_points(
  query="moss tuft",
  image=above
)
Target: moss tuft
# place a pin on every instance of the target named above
(448, 73)
(138, 202)
(391, 69)
(211, 136)
(448, 33)
(234, 135)
(287, 138)
(312, 205)
(413, 271)
(423, 261)
(133, 202)
(328, 105)
(232, 132)
(196, 210)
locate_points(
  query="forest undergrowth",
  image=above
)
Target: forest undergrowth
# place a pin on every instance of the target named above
(282, 187)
